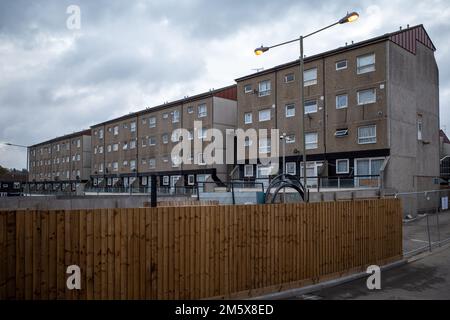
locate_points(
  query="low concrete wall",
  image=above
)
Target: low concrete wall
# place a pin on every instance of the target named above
(81, 202)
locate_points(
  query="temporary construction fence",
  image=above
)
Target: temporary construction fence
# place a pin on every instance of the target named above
(193, 252)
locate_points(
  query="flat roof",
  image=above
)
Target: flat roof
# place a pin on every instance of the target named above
(385, 37)
(168, 105)
(86, 132)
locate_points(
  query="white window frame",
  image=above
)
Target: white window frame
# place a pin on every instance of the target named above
(308, 83)
(369, 137)
(165, 138)
(337, 101)
(290, 108)
(290, 138)
(315, 109)
(247, 90)
(166, 180)
(190, 109)
(202, 110)
(341, 133)
(200, 159)
(289, 164)
(248, 174)
(260, 112)
(116, 130)
(371, 101)
(176, 116)
(245, 117)
(315, 144)
(369, 67)
(152, 163)
(286, 77)
(264, 149)
(152, 122)
(337, 166)
(133, 126)
(267, 88)
(341, 68)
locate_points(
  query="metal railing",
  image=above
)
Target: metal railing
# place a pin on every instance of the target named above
(427, 220)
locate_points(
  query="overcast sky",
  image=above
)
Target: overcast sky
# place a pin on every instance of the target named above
(129, 55)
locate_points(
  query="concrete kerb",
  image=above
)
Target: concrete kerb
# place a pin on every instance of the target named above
(324, 285)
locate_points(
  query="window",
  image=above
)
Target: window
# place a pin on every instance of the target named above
(152, 141)
(202, 133)
(109, 148)
(165, 138)
(310, 106)
(78, 143)
(264, 171)
(310, 77)
(133, 165)
(115, 147)
(247, 142)
(100, 167)
(176, 116)
(152, 122)
(248, 118)
(248, 88)
(264, 88)
(133, 127)
(290, 110)
(115, 166)
(176, 161)
(264, 146)
(125, 126)
(100, 149)
(116, 130)
(289, 78)
(165, 115)
(152, 163)
(342, 166)
(367, 135)
(166, 180)
(202, 111)
(200, 159)
(264, 115)
(191, 134)
(340, 133)
(419, 128)
(341, 101)
(190, 109)
(133, 144)
(290, 138)
(248, 170)
(125, 163)
(341, 65)
(144, 143)
(176, 136)
(366, 63)
(125, 146)
(95, 150)
(143, 161)
(311, 141)
(291, 168)
(367, 96)
(191, 179)
(144, 121)
(78, 157)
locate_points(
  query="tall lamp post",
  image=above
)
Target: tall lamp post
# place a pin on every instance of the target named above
(350, 17)
(28, 171)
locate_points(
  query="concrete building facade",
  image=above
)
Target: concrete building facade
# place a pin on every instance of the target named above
(130, 149)
(61, 163)
(371, 113)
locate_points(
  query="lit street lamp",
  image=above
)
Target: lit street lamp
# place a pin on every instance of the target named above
(350, 17)
(28, 171)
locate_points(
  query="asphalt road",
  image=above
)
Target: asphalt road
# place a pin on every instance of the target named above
(415, 233)
(427, 278)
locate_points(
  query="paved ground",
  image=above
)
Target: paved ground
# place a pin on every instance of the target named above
(415, 232)
(427, 278)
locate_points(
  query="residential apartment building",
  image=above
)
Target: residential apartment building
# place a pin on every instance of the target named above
(371, 113)
(60, 163)
(130, 149)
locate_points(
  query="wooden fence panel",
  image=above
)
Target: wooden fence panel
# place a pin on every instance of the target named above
(193, 252)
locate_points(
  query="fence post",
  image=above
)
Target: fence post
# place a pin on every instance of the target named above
(153, 195)
(428, 230)
(438, 228)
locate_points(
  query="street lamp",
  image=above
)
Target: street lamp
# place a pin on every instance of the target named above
(28, 171)
(350, 17)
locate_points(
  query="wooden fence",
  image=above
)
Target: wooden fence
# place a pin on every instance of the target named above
(193, 252)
